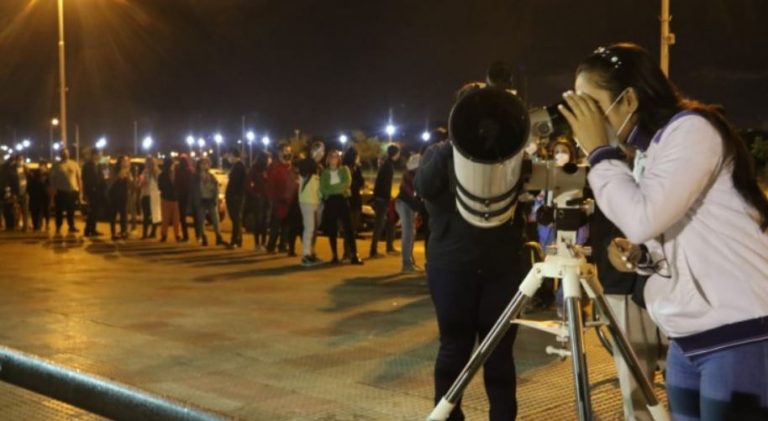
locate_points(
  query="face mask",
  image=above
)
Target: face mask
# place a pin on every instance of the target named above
(613, 134)
(562, 158)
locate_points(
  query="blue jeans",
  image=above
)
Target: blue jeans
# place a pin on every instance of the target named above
(408, 231)
(731, 384)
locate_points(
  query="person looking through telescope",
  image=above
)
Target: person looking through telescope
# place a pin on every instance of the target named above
(473, 272)
(702, 219)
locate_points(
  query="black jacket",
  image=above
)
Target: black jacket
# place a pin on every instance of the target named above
(453, 242)
(167, 189)
(94, 185)
(238, 180)
(383, 187)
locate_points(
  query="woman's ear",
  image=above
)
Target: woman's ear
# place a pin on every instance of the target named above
(631, 100)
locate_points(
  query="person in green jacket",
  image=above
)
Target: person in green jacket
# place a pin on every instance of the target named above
(335, 188)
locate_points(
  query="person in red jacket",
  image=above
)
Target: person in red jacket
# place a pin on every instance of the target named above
(282, 192)
(258, 200)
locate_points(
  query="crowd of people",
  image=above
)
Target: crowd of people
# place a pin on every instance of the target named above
(278, 199)
(677, 202)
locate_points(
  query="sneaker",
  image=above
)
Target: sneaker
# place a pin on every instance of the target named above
(307, 261)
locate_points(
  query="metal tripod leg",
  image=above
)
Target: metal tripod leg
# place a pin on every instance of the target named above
(595, 290)
(530, 284)
(572, 295)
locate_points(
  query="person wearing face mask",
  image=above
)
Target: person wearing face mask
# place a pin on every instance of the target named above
(281, 190)
(309, 201)
(696, 208)
(335, 183)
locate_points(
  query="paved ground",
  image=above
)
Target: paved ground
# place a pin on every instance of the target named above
(250, 335)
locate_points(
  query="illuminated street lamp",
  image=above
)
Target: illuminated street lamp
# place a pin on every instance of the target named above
(219, 139)
(265, 141)
(26, 143)
(426, 136)
(101, 143)
(343, 139)
(146, 144)
(54, 123)
(190, 142)
(19, 147)
(56, 146)
(390, 131)
(250, 137)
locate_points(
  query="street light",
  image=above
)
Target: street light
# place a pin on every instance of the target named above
(343, 139)
(218, 138)
(250, 137)
(191, 142)
(147, 143)
(101, 143)
(265, 141)
(426, 136)
(56, 146)
(26, 143)
(54, 123)
(390, 130)
(19, 147)
(62, 76)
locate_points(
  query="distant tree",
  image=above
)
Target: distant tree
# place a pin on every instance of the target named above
(298, 144)
(369, 148)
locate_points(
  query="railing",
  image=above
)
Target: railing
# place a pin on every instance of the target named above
(91, 393)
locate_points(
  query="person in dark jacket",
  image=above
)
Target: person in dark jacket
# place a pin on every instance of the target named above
(94, 190)
(382, 195)
(351, 159)
(40, 197)
(407, 204)
(10, 194)
(183, 183)
(259, 202)
(117, 194)
(235, 195)
(473, 273)
(169, 201)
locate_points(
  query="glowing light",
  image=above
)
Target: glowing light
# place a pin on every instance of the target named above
(19, 146)
(218, 138)
(101, 143)
(426, 136)
(343, 139)
(201, 142)
(190, 141)
(147, 143)
(55, 122)
(390, 129)
(56, 146)
(265, 140)
(251, 136)
(26, 143)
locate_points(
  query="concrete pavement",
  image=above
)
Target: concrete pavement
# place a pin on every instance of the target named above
(253, 336)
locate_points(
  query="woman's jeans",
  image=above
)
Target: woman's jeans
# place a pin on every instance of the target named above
(407, 215)
(730, 384)
(468, 302)
(207, 207)
(309, 215)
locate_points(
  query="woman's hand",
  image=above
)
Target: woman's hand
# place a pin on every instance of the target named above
(586, 120)
(624, 255)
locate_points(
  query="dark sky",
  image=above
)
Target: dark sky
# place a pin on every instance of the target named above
(333, 65)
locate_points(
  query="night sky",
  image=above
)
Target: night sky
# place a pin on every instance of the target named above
(180, 66)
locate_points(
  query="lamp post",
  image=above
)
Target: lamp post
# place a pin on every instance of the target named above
(62, 76)
(146, 144)
(219, 139)
(250, 137)
(54, 123)
(667, 37)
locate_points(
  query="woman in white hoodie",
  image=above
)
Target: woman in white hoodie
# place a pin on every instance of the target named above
(700, 217)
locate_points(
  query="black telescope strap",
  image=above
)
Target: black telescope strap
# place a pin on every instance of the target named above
(485, 215)
(490, 200)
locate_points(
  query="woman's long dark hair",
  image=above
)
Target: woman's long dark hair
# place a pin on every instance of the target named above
(625, 65)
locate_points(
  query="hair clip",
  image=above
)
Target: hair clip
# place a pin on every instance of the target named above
(608, 55)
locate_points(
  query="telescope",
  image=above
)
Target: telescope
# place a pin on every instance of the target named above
(489, 129)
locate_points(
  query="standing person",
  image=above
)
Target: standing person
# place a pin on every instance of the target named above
(282, 191)
(118, 192)
(134, 198)
(39, 197)
(235, 195)
(22, 182)
(696, 207)
(407, 203)
(382, 195)
(257, 195)
(351, 159)
(473, 273)
(309, 200)
(204, 197)
(183, 183)
(10, 192)
(65, 179)
(335, 185)
(169, 201)
(150, 198)
(95, 191)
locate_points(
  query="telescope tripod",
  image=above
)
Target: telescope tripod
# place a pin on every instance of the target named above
(575, 272)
